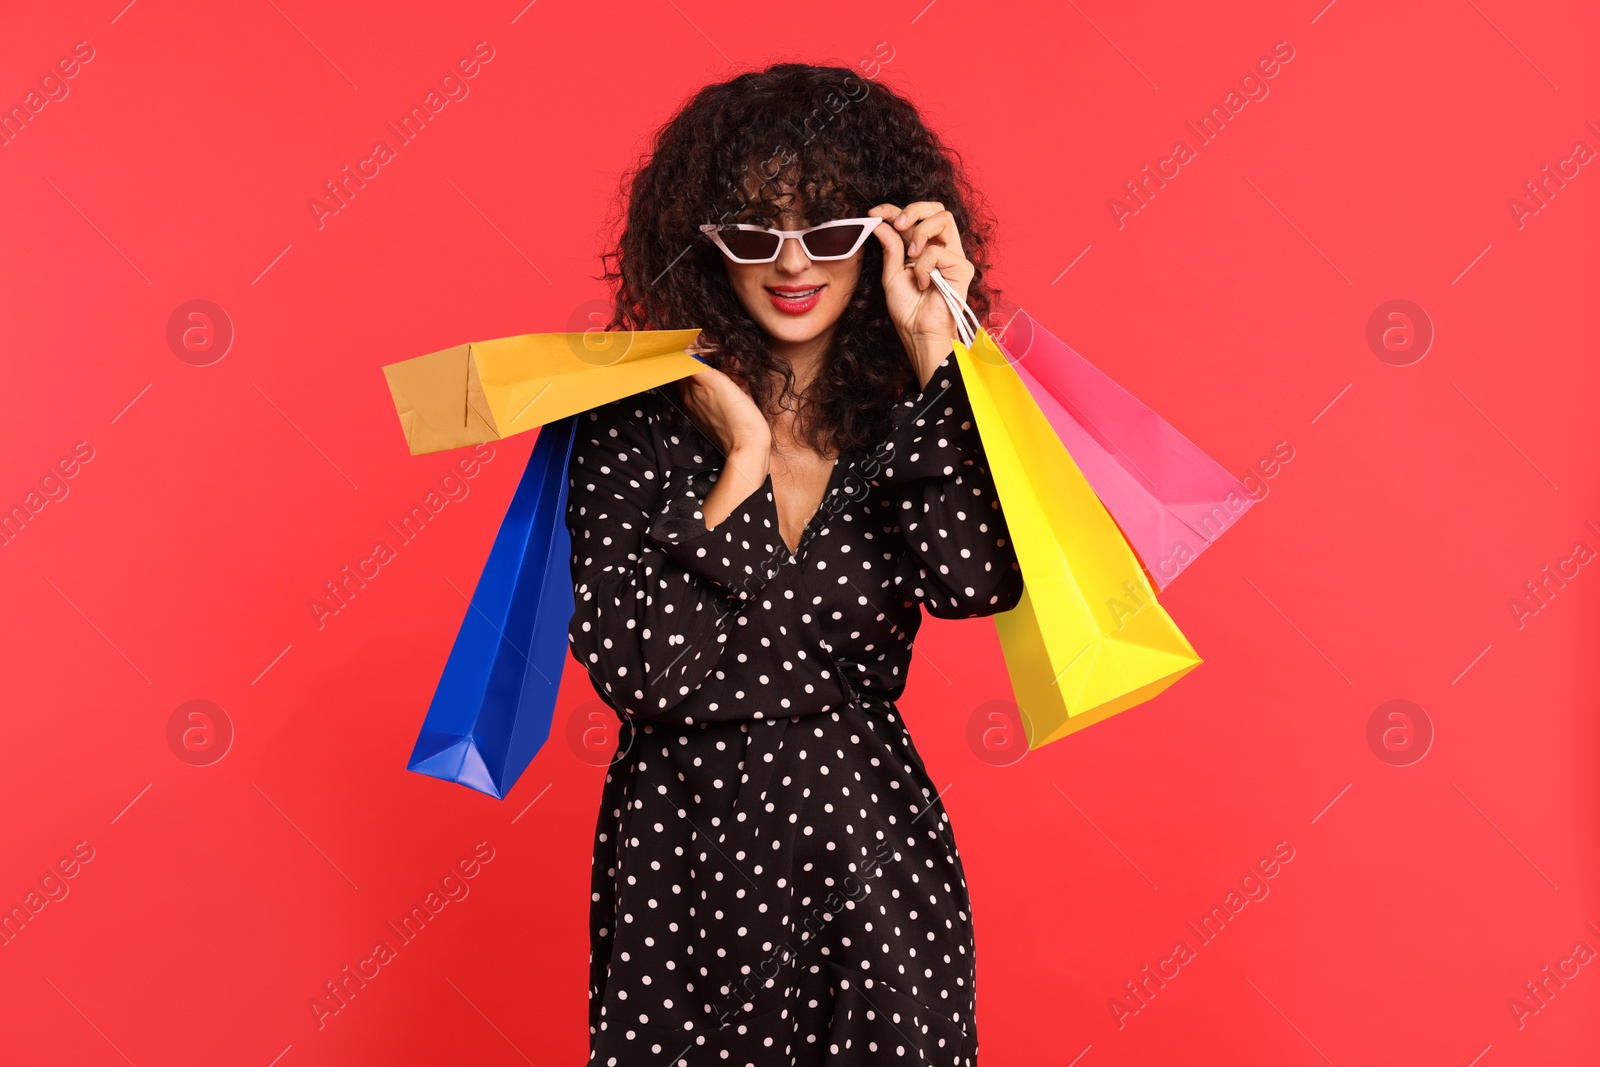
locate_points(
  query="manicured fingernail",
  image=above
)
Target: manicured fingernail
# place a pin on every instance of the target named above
(911, 249)
(900, 220)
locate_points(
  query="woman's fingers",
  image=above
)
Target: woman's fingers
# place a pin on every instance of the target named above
(923, 266)
(922, 237)
(894, 248)
(917, 225)
(937, 228)
(924, 219)
(953, 266)
(913, 213)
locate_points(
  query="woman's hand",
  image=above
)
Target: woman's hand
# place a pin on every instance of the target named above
(723, 409)
(918, 239)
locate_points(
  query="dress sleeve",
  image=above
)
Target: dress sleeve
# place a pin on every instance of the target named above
(654, 591)
(938, 494)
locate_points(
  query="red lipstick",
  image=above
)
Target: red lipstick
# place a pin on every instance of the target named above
(794, 299)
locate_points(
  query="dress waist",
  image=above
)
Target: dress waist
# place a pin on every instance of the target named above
(727, 711)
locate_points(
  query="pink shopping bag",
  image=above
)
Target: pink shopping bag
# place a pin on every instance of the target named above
(1169, 498)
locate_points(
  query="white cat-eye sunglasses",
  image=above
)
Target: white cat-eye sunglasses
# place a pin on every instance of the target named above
(744, 243)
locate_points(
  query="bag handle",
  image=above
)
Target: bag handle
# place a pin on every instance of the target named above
(966, 331)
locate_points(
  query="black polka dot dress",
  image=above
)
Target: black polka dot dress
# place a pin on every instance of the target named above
(775, 879)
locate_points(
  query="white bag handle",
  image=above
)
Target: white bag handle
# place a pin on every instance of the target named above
(967, 332)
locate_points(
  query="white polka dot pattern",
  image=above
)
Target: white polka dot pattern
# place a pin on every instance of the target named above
(775, 880)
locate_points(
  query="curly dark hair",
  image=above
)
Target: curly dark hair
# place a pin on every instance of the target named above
(828, 145)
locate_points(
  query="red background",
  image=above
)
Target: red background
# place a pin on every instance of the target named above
(179, 566)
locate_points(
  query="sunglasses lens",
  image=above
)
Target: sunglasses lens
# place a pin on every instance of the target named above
(833, 241)
(750, 244)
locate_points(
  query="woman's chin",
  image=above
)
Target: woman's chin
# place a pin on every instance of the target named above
(797, 329)
(794, 333)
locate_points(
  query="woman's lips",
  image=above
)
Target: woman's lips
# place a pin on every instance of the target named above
(794, 299)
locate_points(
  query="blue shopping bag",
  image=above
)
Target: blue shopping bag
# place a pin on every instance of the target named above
(491, 711)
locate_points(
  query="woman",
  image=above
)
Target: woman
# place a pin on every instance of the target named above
(775, 880)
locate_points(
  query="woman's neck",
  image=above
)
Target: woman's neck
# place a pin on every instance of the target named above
(806, 359)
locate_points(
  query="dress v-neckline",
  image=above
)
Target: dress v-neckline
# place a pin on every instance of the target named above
(805, 531)
(844, 460)
(844, 463)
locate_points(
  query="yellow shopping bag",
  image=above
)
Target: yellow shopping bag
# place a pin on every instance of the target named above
(1088, 637)
(487, 390)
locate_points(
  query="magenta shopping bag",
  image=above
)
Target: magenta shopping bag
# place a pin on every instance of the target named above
(1169, 498)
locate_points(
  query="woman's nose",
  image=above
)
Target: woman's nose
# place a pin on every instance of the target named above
(792, 256)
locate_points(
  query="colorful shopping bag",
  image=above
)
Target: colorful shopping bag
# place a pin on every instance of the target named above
(489, 390)
(1088, 638)
(491, 711)
(492, 708)
(1169, 498)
